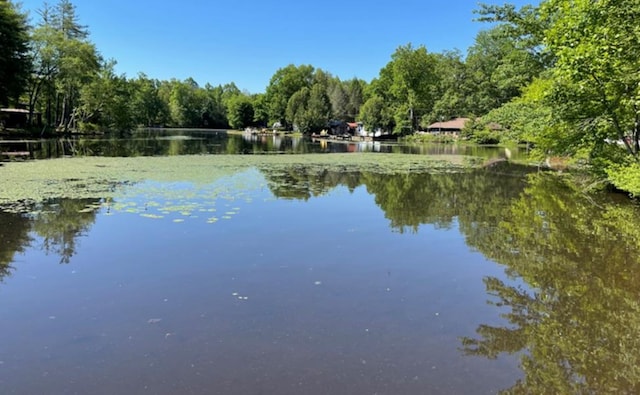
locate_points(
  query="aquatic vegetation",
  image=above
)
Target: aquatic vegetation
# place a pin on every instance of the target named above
(80, 177)
(154, 216)
(165, 187)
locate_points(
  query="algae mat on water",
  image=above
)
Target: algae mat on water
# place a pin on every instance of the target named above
(93, 177)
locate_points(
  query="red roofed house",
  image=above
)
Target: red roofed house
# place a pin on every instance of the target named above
(453, 126)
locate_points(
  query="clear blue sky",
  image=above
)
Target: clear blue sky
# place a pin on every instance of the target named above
(246, 41)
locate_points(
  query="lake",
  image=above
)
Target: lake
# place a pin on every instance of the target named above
(168, 142)
(170, 263)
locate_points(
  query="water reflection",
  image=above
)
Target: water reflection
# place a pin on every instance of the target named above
(59, 223)
(56, 225)
(161, 142)
(579, 318)
(477, 197)
(14, 238)
(569, 298)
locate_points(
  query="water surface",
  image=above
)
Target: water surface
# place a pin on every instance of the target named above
(296, 279)
(162, 142)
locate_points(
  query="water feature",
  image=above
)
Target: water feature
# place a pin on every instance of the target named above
(314, 274)
(162, 142)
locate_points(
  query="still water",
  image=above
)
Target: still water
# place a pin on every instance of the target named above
(282, 280)
(163, 142)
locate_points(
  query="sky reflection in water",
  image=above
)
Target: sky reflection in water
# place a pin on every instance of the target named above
(282, 296)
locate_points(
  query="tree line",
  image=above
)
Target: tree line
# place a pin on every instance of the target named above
(58, 72)
(563, 76)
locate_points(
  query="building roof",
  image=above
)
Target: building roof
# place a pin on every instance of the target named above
(14, 110)
(454, 124)
(494, 126)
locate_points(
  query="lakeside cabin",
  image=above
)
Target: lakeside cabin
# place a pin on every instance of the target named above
(17, 118)
(453, 126)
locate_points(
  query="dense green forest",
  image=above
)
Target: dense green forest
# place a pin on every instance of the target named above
(563, 75)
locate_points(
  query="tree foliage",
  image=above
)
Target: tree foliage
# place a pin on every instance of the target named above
(596, 78)
(375, 114)
(406, 84)
(147, 106)
(107, 101)
(451, 91)
(240, 111)
(283, 85)
(64, 61)
(308, 110)
(15, 65)
(498, 69)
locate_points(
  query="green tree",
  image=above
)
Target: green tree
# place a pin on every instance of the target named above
(240, 111)
(229, 91)
(339, 99)
(525, 118)
(45, 62)
(318, 109)
(215, 110)
(79, 61)
(15, 65)
(452, 89)
(374, 114)
(185, 102)
(346, 98)
(147, 106)
(296, 108)
(596, 90)
(355, 89)
(106, 101)
(497, 69)
(406, 84)
(283, 84)
(64, 60)
(260, 110)
(309, 110)
(523, 27)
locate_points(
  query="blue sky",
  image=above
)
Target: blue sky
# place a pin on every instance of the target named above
(246, 41)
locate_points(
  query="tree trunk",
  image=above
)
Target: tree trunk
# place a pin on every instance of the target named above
(33, 98)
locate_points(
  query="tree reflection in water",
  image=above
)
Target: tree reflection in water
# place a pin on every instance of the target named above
(57, 224)
(14, 237)
(61, 222)
(572, 298)
(578, 323)
(476, 198)
(575, 317)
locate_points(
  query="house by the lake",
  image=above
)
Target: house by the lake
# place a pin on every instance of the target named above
(342, 128)
(17, 118)
(453, 126)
